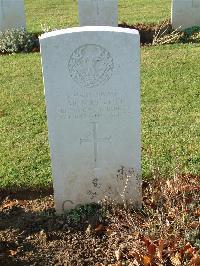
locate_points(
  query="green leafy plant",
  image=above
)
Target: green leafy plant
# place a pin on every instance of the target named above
(192, 236)
(18, 40)
(191, 34)
(85, 212)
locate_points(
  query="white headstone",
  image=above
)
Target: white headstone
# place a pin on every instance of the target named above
(98, 12)
(185, 14)
(92, 88)
(11, 14)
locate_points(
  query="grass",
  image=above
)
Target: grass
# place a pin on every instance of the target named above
(170, 116)
(170, 109)
(24, 146)
(170, 99)
(64, 13)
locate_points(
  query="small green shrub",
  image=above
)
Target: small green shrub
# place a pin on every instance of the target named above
(92, 212)
(17, 40)
(191, 34)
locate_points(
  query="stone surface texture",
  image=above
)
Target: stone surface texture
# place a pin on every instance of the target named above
(98, 12)
(185, 14)
(12, 14)
(92, 89)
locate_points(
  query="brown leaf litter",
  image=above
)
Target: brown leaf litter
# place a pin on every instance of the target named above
(166, 231)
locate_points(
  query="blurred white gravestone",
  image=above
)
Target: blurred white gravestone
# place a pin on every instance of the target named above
(98, 12)
(185, 14)
(92, 89)
(12, 14)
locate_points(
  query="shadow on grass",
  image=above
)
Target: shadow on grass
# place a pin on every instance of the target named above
(25, 193)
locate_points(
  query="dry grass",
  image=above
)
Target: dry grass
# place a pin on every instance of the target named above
(166, 35)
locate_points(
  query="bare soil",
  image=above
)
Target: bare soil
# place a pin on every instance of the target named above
(164, 232)
(147, 31)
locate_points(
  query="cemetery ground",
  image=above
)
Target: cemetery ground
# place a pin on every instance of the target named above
(168, 227)
(166, 230)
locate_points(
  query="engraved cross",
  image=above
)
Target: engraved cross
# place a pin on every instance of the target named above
(95, 141)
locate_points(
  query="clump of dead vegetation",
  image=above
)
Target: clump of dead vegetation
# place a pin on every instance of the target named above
(164, 232)
(164, 34)
(167, 229)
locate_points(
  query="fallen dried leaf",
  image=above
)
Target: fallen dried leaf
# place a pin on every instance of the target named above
(9, 204)
(13, 252)
(88, 230)
(160, 248)
(118, 254)
(185, 248)
(194, 225)
(146, 241)
(117, 264)
(136, 234)
(109, 231)
(151, 250)
(176, 260)
(197, 213)
(134, 254)
(134, 263)
(191, 250)
(146, 260)
(190, 188)
(100, 228)
(195, 261)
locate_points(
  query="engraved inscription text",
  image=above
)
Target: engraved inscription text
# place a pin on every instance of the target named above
(93, 105)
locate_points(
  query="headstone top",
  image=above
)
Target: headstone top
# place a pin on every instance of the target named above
(88, 29)
(12, 15)
(98, 12)
(185, 14)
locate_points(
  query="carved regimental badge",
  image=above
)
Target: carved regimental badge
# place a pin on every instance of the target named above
(90, 65)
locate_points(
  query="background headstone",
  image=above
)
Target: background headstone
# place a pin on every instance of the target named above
(92, 88)
(185, 13)
(98, 12)
(12, 14)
